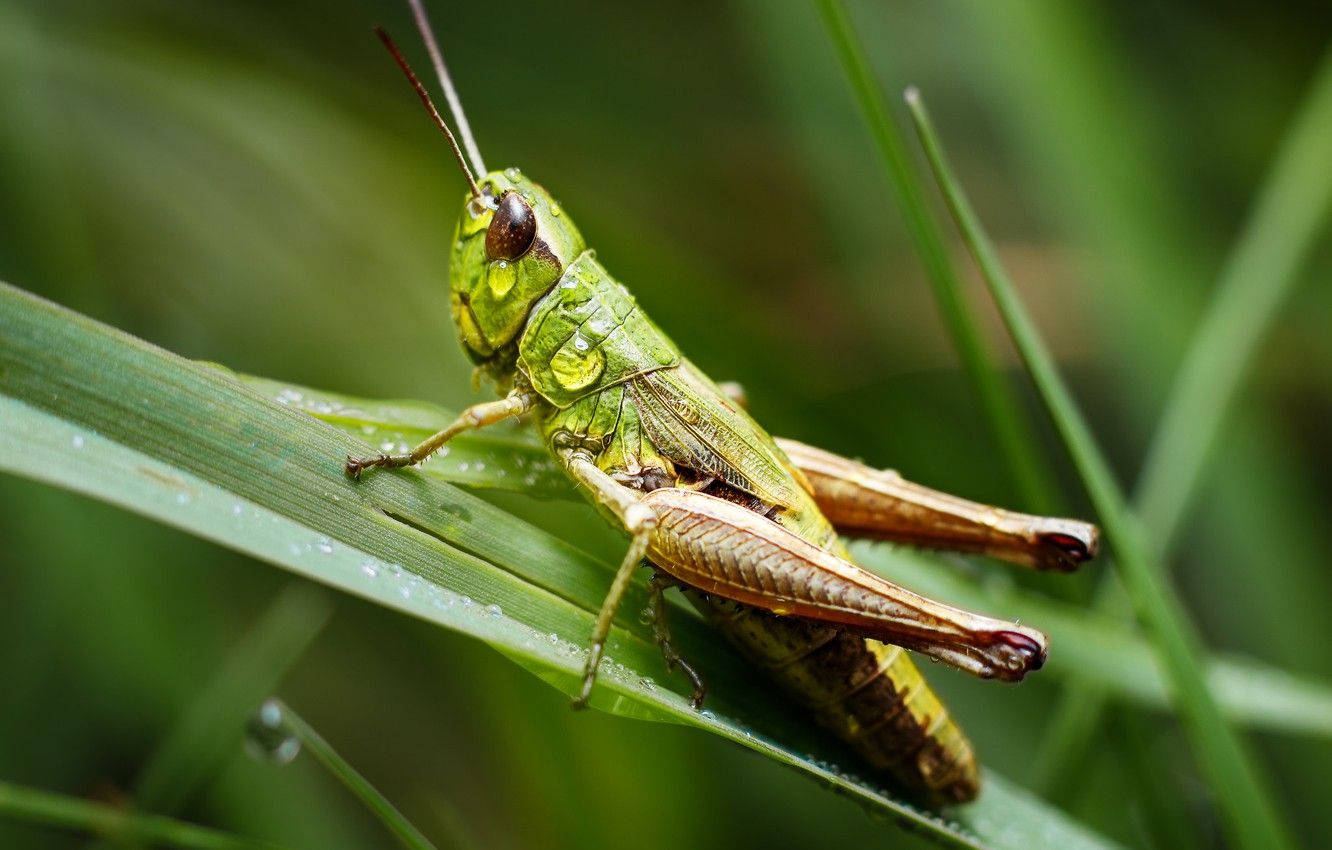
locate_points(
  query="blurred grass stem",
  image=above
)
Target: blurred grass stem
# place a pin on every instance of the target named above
(71, 813)
(1243, 798)
(360, 787)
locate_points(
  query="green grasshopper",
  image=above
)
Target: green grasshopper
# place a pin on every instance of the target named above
(745, 525)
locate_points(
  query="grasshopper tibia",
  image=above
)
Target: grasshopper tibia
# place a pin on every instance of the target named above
(724, 549)
(864, 502)
(657, 616)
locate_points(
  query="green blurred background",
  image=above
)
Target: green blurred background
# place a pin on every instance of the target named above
(252, 183)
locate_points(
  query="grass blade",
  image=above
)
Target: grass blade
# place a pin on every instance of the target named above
(1263, 267)
(207, 733)
(277, 720)
(88, 408)
(72, 813)
(1260, 273)
(1243, 798)
(1101, 652)
(1012, 431)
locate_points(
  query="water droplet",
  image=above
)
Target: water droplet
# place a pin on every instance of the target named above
(236, 509)
(183, 498)
(267, 737)
(370, 568)
(77, 442)
(324, 546)
(576, 367)
(555, 209)
(512, 173)
(367, 429)
(500, 277)
(494, 611)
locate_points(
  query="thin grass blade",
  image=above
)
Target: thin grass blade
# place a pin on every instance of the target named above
(1261, 272)
(275, 718)
(1012, 431)
(207, 733)
(1243, 796)
(59, 811)
(1290, 214)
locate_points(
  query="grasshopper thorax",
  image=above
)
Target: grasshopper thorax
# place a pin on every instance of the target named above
(511, 245)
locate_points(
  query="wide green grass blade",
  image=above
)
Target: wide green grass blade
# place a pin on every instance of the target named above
(1243, 797)
(93, 410)
(1011, 429)
(71, 813)
(1097, 650)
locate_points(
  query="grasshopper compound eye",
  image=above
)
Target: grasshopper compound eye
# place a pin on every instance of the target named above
(512, 230)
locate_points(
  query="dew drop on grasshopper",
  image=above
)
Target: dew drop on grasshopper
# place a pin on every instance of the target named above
(744, 524)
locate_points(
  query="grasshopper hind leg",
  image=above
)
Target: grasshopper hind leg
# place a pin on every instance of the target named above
(657, 617)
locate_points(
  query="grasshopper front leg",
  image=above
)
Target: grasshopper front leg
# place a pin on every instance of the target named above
(516, 403)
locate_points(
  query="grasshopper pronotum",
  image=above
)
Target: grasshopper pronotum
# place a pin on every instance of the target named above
(747, 526)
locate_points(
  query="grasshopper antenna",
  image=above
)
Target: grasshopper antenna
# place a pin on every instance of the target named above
(450, 93)
(430, 107)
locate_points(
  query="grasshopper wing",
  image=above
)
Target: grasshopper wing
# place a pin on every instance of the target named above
(689, 422)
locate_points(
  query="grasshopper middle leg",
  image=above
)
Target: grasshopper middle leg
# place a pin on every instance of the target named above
(661, 632)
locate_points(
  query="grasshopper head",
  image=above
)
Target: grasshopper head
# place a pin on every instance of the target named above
(510, 247)
(512, 241)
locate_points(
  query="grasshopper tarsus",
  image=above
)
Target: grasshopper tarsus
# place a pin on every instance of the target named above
(356, 465)
(700, 687)
(589, 676)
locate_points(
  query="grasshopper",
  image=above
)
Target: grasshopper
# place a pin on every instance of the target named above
(747, 526)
